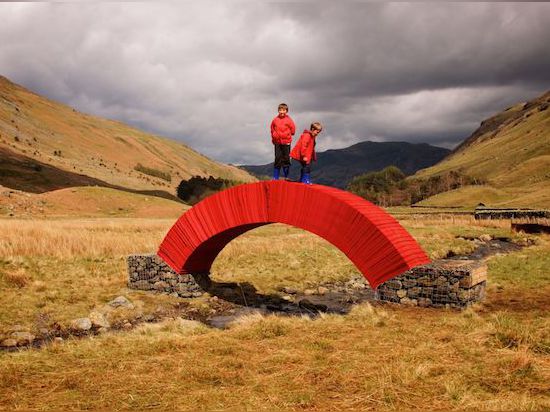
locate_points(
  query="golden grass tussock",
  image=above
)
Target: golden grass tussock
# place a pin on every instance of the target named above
(415, 360)
(18, 278)
(71, 238)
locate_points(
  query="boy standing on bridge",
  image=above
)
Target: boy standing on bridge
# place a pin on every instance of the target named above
(282, 130)
(304, 151)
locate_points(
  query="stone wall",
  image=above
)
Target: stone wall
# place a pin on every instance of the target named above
(149, 272)
(510, 213)
(442, 283)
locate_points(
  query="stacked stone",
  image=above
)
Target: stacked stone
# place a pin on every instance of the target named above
(149, 272)
(485, 213)
(443, 283)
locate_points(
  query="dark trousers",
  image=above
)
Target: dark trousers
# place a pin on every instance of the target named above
(282, 155)
(306, 167)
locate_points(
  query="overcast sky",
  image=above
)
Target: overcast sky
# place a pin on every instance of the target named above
(212, 75)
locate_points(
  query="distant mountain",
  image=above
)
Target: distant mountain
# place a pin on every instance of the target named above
(45, 145)
(337, 167)
(511, 151)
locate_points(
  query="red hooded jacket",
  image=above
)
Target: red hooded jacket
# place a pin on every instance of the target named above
(304, 151)
(282, 130)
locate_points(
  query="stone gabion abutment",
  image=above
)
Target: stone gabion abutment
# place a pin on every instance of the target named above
(149, 272)
(442, 283)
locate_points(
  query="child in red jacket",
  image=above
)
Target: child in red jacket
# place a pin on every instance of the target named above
(282, 130)
(304, 151)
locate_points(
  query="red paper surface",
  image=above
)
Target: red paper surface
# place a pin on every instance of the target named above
(372, 239)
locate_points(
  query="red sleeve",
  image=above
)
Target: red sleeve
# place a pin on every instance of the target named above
(307, 148)
(292, 126)
(273, 128)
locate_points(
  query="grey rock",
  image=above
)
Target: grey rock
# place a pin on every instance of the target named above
(414, 292)
(81, 325)
(161, 285)
(98, 320)
(424, 302)
(425, 281)
(409, 302)
(441, 281)
(141, 285)
(394, 284)
(23, 338)
(121, 301)
(388, 294)
(409, 283)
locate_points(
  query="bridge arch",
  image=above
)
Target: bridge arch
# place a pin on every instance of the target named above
(372, 239)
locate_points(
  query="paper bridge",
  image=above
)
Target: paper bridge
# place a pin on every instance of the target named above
(372, 239)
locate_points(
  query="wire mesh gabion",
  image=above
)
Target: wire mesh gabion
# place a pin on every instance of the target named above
(149, 272)
(443, 283)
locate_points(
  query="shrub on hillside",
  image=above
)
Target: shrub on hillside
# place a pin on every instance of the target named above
(153, 172)
(197, 188)
(379, 187)
(389, 187)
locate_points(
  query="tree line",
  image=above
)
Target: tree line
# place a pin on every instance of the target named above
(390, 187)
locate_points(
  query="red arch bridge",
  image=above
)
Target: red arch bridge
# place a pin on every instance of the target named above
(372, 239)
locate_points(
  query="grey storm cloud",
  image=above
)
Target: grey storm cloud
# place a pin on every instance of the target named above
(212, 75)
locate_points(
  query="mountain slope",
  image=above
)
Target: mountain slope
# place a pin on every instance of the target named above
(337, 167)
(34, 128)
(511, 151)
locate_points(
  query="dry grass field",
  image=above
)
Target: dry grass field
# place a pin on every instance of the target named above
(493, 356)
(86, 202)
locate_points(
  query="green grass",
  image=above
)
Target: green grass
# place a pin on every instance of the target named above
(529, 268)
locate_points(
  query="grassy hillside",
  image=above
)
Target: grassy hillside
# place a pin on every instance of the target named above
(511, 151)
(88, 201)
(44, 132)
